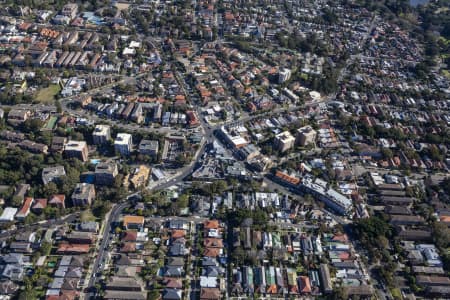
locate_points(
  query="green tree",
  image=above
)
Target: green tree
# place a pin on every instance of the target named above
(183, 201)
(32, 126)
(154, 295)
(387, 153)
(46, 248)
(16, 201)
(50, 189)
(30, 219)
(441, 235)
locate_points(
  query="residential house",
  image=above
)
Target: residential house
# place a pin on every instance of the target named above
(325, 276)
(133, 222)
(8, 214)
(210, 294)
(25, 209)
(124, 284)
(58, 201)
(171, 294)
(124, 295)
(39, 205)
(81, 237)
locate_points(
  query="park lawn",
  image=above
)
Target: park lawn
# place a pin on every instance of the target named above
(446, 73)
(47, 95)
(396, 294)
(87, 216)
(444, 40)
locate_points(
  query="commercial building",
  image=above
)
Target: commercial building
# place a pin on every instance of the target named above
(284, 141)
(105, 173)
(101, 134)
(123, 143)
(83, 195)
(77, 149)
(305, 136)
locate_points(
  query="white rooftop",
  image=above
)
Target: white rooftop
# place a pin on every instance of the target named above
(8, 214)
(101, 130)
(208, 282)
(123, 139)
(75, 145)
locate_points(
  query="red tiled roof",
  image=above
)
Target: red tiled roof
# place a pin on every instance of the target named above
(211, 224)
(213, 243)
(209, 293)
(178, 233)
(71, 248)
(272, 289)
(40, 203)
(129, 236)
(340, 237)
(344, 255)
(60, 198)
(128, 247)
(305, 284)
(445, 219)
(26, 206)
(211, 252)
(175, 283)
(285, 177)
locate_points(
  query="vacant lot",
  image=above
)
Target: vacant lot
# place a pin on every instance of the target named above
(48, 94)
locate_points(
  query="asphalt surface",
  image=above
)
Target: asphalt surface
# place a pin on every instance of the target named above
(113, 217)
